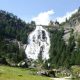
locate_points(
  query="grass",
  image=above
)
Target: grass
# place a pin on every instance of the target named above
(13, 73)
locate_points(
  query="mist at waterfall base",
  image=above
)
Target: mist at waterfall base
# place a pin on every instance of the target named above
(38, 43)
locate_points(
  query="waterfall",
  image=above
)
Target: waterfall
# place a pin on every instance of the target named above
(38, 43)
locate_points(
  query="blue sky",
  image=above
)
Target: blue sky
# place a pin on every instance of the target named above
(30, 9)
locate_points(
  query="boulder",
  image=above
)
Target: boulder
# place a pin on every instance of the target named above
(22, 64)
(48, 73)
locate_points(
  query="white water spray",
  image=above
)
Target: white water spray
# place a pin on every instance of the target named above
(39, 42)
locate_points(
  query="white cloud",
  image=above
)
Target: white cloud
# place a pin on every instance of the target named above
(43, 18)
(68, 15)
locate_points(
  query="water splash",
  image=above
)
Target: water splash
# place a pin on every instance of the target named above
(39, 42)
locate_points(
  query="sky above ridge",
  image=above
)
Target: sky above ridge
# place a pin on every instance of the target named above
(41, 11)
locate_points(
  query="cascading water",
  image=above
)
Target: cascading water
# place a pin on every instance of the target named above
(39, 43)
